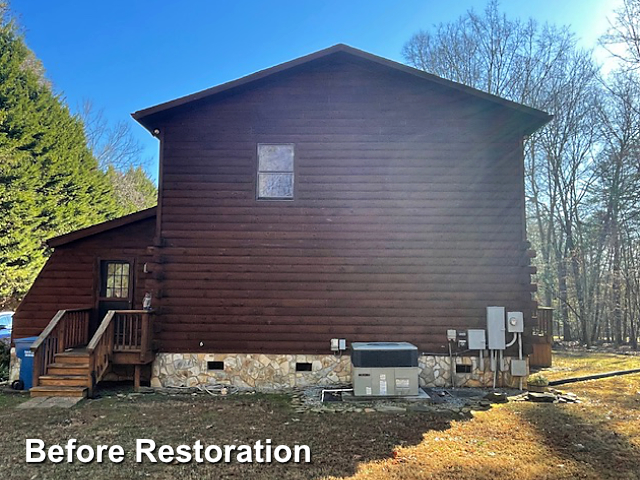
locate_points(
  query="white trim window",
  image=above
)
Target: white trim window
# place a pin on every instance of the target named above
(275, 171)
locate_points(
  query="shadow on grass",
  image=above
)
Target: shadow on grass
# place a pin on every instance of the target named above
(339, 442)
(585, 440)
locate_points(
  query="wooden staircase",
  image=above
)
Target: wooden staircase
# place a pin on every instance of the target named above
(67, 363)
(68, 376)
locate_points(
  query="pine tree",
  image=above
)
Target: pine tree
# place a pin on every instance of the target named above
(50, 183)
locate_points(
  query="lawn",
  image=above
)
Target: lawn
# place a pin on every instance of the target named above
(577, 364)
(598, 438)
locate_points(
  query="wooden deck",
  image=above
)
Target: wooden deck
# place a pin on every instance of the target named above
(542, 339)
(70, 364)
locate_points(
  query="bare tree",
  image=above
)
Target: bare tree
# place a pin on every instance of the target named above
(622, 39)
(540, 66)
(113, 145)
(619, 175)
(488, 51)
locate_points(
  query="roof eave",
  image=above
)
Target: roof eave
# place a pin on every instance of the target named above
(101, 227)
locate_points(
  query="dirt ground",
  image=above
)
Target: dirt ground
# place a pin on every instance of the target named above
(597, 438)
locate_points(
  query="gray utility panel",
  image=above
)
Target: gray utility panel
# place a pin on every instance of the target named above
(384, 369)
(477, 339)
(496, 328)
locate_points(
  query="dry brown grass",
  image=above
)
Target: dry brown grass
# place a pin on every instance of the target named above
(576, 364)
(596, 439)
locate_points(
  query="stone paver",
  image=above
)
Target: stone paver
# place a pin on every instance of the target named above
(48, 402)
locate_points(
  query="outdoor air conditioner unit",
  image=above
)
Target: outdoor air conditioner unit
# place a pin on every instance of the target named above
(384, 369)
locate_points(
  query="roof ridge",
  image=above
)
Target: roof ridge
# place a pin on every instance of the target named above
(141, 115)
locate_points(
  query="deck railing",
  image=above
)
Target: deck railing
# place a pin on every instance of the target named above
(542, 339)
(121, 331)
(131, 330)
(544, 327)
(67, 329)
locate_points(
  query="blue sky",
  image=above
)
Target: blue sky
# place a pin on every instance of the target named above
(128, 55)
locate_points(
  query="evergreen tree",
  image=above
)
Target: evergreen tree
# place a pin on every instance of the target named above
(50, 183)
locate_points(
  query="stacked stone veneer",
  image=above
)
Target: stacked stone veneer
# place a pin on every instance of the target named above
(436, 372)
(265, 372)
(278, 372)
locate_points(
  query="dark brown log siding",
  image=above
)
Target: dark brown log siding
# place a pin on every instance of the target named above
(69, 278)
(407, 218)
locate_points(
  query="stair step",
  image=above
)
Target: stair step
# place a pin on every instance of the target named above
(57, 391)
(64, 380)
(81, 357)
(68, 369)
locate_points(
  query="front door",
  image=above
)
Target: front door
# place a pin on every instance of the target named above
(116, 287)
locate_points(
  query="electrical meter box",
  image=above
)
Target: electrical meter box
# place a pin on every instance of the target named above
(496, 328)
(477, 339)
(515, 322)
(383, 369)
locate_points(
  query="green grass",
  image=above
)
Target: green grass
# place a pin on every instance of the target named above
(9, 400)
(339, 442)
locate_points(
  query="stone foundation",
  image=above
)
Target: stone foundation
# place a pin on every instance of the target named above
(264, 372)
(436, 372)
(278, 372)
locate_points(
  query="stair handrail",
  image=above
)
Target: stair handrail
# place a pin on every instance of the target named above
(104, 324)
(58, 336)
(100, 349)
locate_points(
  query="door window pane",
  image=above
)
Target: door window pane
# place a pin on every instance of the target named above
(116, 281)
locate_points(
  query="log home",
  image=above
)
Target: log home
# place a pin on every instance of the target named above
(337, 196)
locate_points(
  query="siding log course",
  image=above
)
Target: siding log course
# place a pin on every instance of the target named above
(406, 219)
(69, 278)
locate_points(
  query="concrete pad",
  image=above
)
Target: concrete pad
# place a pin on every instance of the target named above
(49, 402)
(32, 403)
(421, 397)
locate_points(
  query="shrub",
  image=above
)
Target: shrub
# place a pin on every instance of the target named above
(538, 380)
(5, 358)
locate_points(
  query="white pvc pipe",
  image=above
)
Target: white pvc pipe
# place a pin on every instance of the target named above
(520, 353)
(494, 367)
(520, 344)
(451, 368)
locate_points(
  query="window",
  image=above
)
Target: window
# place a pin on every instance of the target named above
(115, 280)
(275, 171)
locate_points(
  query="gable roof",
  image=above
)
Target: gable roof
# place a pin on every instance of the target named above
(145, 116)
(102, 227)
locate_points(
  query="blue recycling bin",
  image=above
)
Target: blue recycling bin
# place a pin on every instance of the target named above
(24, 353)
